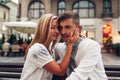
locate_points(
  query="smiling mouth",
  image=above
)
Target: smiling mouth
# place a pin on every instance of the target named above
(55, 35)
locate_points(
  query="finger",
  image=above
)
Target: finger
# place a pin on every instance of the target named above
(77, 33)
(75, 38)
(71, 34)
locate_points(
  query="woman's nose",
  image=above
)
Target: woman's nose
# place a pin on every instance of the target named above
(57, 30)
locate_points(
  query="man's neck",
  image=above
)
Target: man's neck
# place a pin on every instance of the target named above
(75, 42)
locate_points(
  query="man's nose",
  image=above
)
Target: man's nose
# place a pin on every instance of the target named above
(62, 31)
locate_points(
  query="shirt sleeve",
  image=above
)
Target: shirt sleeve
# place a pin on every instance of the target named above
(40, 55)
(87, 63)
(60, 50)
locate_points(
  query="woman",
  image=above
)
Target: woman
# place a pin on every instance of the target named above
(40, 61)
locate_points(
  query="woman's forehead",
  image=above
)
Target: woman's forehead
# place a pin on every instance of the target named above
(55, 21)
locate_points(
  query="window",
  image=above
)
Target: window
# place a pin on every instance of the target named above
(61, 7)
(4, 15)
(36, 9)
(84, 8)
(107, 11)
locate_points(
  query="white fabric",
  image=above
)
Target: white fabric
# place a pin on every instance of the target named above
(89, 65)
(37, 57)
(23, 26)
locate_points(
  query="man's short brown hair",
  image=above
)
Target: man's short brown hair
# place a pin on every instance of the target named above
(69, 14)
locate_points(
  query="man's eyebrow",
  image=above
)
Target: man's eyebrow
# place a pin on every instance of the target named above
(68, 26)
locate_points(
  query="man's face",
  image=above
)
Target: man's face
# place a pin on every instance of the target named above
(67, 27)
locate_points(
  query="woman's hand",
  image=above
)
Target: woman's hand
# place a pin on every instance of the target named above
(73, 37)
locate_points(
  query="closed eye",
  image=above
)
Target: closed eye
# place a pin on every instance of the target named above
(67, 26)
(53, 27)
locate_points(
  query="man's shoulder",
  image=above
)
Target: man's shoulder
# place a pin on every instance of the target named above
(89, 41)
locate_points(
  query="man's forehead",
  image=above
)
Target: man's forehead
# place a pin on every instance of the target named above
(67, 22)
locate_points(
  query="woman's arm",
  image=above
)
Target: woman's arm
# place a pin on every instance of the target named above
(60, 69)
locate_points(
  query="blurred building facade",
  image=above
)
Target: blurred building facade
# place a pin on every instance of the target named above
(13, 10)
(8, 12)
(94, 14)
(4, 15)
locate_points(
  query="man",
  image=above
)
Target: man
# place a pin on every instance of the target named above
(88, 63)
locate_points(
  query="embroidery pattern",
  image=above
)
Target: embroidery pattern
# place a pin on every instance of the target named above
(43, 51)
(35, 56)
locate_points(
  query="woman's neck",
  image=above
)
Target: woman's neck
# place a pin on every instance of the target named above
(47, 44)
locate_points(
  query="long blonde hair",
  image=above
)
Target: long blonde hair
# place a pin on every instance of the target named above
(42, 32)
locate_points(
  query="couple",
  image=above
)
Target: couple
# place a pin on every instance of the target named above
(41, 54)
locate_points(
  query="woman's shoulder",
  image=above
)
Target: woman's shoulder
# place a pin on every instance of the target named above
(38, 49)
(37, 46)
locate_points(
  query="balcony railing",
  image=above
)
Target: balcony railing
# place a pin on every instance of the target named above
(104, 15)
(107, 17)
(13, 70)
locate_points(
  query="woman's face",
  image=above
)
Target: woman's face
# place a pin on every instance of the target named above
(54, 30)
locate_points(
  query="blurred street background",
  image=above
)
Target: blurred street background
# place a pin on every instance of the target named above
(100, 21)
(108, 59)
